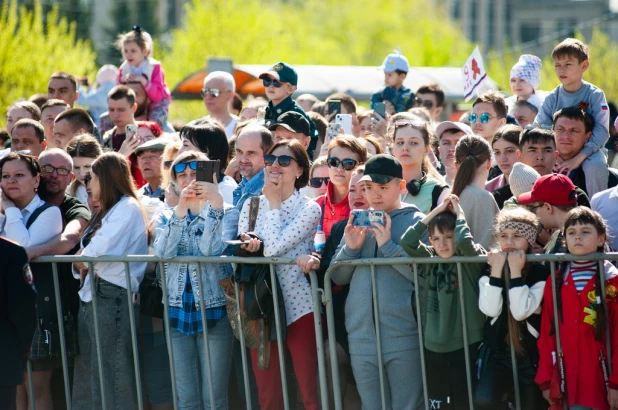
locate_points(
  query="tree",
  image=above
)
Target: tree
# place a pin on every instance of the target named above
(32, 50)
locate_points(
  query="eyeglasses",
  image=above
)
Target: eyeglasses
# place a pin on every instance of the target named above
(271, 81)
(317, 182)
(167, 164)
(183, 165)
(484, 118)
(215, 92)
(348, 164)
(282, 160)
(423, 103)
(48, 169)
(532, 208)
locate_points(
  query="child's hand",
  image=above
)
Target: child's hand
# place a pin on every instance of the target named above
(517, 261)
(354, 235)
(496, 259)
(381, 232)
(612, 398)
(564, 167)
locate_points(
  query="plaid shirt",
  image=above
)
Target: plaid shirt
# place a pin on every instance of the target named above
(188, 319)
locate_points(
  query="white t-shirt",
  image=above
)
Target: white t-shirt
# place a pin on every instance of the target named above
(229, 129)
(227, 187)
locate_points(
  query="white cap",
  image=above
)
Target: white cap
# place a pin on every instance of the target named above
(450, 125)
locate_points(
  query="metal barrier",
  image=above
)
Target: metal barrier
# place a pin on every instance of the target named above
(318, 303)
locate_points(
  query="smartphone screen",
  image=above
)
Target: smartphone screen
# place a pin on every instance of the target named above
(205, 170)
(334, 106)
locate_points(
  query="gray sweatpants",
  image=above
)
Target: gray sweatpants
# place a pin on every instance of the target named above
(596, 172)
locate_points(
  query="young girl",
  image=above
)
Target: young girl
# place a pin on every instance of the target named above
(318, 177)
(410, 145)
(525, 79)
(583, 317)
(84, 149)
(519, 322)
(139, 66)
(504, 145)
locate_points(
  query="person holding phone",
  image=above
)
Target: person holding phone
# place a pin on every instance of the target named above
(198, 226)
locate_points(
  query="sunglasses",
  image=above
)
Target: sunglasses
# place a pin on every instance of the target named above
(282, 160)
(406, 123)
(48, 169)
(484, 118)
(271, 81)
(215, 92)
(423, 103)
(348, 164)
(178, 168)
(317, 182)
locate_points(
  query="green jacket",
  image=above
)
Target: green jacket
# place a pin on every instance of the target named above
(440, 305)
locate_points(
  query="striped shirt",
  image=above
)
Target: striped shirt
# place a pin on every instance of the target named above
(582, 272)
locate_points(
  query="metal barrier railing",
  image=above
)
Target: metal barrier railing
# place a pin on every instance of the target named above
(318, 303)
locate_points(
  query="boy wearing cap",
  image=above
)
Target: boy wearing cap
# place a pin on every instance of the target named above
(399, 333)
(449, 133)
(396, 69)
(280, 83)
(571, 62)
(525, 79)
(551, 198)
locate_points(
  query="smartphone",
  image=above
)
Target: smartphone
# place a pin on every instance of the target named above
(380, 109)
(332, 132)
(131, 131)
(205, 170)
(345, 120)
(334, 106)
(236, 242)
(364, 217)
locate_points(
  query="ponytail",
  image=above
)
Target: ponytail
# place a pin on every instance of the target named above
(471, 152)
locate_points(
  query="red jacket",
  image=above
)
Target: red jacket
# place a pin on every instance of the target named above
(332, 213)
(584, 375)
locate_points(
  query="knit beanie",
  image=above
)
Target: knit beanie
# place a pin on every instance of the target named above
(528, 68)
(522, 178)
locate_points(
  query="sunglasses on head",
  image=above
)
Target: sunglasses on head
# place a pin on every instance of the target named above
(423, 103)
(484, 118)
(348, 164)
(271, 81)
(317, 182)
(178, 168)
(215, 92)
(282, 160)
(410, 123)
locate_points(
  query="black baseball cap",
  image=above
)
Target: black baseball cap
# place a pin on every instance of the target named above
(292, 121)
(382, 169)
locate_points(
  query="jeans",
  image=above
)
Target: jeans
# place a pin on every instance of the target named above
(403, 384)
(192, 372)
(116, 352)
(156, 379)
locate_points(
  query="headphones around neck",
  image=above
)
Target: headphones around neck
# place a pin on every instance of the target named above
(414, 186)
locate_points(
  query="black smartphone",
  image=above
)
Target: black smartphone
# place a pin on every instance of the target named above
(380, 109)
(205, 170)
(334, 106)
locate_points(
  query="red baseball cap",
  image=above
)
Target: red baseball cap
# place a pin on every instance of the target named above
(555, 189)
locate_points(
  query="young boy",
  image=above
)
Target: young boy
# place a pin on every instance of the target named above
(396, 69)
(280, 83)
(488, 115)
(571, 62)
(384, 185)
(440, 306)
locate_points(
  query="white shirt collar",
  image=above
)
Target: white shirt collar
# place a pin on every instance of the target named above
(31, 207)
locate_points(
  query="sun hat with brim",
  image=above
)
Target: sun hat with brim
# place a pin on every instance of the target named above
(156, 144)
(382, 169)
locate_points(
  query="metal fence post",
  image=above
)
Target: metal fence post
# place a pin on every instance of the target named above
(30, 386)
(138, 379)
(421, 339)
(168, 331)
(552, 267)
(327, 300)
(376, 314)
(608, 339)
(284, 382)
(507, 286)
(200, 297)
(464, 324)
(63, 347)
(95, 318)
(319, 339)
(243, 349)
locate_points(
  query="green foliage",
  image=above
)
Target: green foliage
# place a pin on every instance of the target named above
(336, 32)
(32, 50)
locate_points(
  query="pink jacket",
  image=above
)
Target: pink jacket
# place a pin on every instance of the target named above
(156, 88)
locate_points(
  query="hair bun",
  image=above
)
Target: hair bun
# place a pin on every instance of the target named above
(137, 29)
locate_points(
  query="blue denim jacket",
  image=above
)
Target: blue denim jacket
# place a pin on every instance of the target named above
(202, 236)
(248, 188)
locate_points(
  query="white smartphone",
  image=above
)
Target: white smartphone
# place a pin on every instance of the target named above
(345, 120)
(131, 131)
(236, 242)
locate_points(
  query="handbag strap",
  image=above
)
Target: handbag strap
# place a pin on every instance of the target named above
(253, 212)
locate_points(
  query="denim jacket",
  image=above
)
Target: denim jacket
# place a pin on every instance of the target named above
(203, 236)
(248, 188)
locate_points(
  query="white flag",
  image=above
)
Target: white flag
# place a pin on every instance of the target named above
(473, 74)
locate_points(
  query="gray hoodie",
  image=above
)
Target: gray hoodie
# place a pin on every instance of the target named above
(395, 289)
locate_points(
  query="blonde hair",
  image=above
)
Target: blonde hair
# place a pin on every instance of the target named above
(169, 153)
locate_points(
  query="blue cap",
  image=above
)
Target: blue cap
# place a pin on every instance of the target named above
(395, 61)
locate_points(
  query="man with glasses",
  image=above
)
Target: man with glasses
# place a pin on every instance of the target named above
(431, 96)
(218, 93)
(149, 163)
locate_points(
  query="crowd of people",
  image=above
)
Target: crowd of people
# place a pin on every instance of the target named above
(513, 177)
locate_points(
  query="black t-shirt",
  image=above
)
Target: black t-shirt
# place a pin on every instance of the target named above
(72, 208)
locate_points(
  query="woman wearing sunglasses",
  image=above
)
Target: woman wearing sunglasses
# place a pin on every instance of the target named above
(318, 177)
(287, 222)
(345, 153)
(197, 226)
(410, 145)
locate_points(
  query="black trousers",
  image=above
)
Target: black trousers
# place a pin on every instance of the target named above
(8, 397)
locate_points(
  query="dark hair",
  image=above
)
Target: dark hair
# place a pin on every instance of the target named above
(300, 155)
(4, 135)
(495, 99)
(39, 131)
(84, 145)
(209, 137)
(435, 89)
(577, 114)
(346, 100)
(526, 104)
(77, 119)
(54, 102)
(571, 47)
(31, 162)
(61, 75)
(398, 71)
(351, 143)
(320, 123)
(509, 133)
(582, 215)
(471, 152)
(28, 106)
(122, 91)
(237, 102)
(38, 99)
(536, 135)
(265, 135)
(444, 222)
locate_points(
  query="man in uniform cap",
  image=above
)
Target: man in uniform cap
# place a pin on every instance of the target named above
(17, 319)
